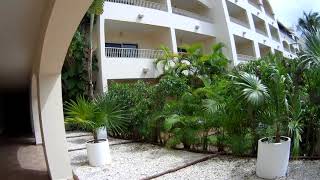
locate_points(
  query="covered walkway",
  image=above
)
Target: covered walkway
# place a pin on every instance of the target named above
(21, 159)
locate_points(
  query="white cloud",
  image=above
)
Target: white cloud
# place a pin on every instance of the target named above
(288, 11)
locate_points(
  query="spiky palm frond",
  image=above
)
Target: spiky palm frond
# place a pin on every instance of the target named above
(92, 115)
(310, 22)
(115, 117)
(83, 113)
(96, 7)
(253, 90)
(310, 56)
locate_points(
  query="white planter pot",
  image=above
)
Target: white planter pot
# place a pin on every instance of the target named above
(102, 133)
(273, 158)
(98, 153)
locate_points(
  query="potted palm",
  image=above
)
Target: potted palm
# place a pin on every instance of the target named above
(274, 152)
(92, 116)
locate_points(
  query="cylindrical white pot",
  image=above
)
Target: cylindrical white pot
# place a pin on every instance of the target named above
(98, 153)
(102, 133)
(273, 158)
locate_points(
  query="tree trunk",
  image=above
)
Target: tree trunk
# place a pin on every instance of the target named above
(95, 136)
(89, 66)
(278, 136)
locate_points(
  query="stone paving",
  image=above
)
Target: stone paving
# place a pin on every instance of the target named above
(138, 161)
(20, 159)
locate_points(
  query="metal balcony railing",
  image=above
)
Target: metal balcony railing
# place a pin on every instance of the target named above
(242, 57)
(142, 3)
(133, 53)
(191, 14)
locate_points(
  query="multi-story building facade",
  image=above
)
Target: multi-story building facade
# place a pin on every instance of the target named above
(131, 32)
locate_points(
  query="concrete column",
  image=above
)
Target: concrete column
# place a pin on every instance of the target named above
(35, 111)
(169, 5)
(102, 83)
(174, 40)
(60, 20)
(251, 23)
(52, 126)
(256, 49)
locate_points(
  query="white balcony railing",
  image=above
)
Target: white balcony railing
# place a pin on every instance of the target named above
(275, 38)
(133, 53)
(242, 57)
(261, 32)
(191, 14)
(255, 4)
(142, 3)
(240, 22)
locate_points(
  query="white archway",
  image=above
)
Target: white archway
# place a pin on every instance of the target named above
(59, 23)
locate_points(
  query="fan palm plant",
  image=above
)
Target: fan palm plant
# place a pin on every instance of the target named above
(254, 94)
(310, 56)
(310, 22)
(92, 115)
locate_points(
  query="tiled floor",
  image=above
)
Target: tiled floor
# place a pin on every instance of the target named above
(19, 159)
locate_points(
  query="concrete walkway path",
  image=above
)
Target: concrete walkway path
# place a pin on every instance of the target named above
(20, 160)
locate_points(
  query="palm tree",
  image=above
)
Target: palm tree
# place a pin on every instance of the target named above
(96, 8)
(92, 115)
(255, 94)
(310, 23)
(310, 56)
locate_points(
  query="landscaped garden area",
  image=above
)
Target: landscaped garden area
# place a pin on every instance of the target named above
(269, 107)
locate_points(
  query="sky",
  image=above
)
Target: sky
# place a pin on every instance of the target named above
(288, 11)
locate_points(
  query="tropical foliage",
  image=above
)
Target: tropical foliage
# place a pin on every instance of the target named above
(201, 104)
(92, 115)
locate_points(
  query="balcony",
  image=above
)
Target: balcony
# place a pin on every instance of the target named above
(244, 48)
(239, 22)
(274, 33)
(237, 14)
(255, 3)
(191, 14)
(133, 53)
(259, 25)
(242, 57)
(142, 3)
(193, 9)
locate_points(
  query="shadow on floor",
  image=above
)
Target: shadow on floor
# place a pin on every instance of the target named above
(19, 159)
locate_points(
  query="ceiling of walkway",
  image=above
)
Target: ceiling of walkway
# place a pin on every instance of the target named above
(19, 34)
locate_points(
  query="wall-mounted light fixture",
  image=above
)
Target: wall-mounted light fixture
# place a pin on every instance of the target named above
(145, 70)
(140, 16)
(197, 27)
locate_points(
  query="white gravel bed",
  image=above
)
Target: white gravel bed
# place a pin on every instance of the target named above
(236, 168)
(80, 142)
(131, 161)
(71, 134)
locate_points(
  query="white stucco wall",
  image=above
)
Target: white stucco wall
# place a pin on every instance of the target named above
(129, 68)
(221, 30)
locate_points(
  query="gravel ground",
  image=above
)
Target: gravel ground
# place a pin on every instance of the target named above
(236, 168)
(131, 161)
(137, 160)
(76, 142)
(70, 134)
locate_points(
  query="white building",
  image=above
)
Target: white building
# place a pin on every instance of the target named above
(130, 33)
